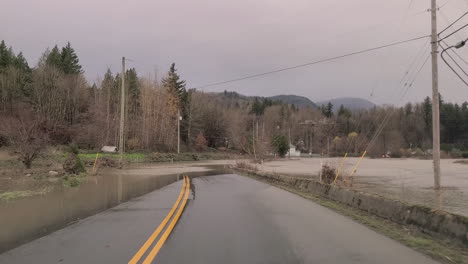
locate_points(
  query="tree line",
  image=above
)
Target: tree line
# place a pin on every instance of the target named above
(53, 104)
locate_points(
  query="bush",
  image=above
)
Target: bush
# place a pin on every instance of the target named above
(396, 154)
(25, 134)
(246, 165)
(465, 155)
(405, 152)
(446, 147)
(280, 145)
(200, 142)
(328, 174)
(455, 153)
(73, 162)
(133, 144)
(418, 152)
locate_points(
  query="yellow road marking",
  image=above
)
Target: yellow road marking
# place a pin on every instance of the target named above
(156, 232)
(166, 233)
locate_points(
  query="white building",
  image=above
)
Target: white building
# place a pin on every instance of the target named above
(293, 152)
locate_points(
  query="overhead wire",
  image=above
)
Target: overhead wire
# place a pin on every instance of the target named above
(448, 48)
(403, 20)
(408, 78)
(450, 66)
(392, 111)
(453, 23)
(311, 63)
(454, 32)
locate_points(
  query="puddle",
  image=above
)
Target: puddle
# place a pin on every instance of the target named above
(26, 219)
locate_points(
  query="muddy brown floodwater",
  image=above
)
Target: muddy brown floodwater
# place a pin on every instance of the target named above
(407, 180)
(29, 218)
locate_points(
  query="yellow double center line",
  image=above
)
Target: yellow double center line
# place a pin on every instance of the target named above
(183, 195)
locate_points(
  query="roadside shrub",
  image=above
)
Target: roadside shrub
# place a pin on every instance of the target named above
(405, 152)
(444, 155)
(396, 154)
(107, 162)
(280, 145)
(246, 165)
(328, 174)
(446, 147)
(200, 142)
(25, 134)
(73, 162)
(465, 155)
(73, 182)
(418, 152)
(455, 153)
(133, 144)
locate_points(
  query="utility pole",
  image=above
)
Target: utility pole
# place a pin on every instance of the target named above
(178, 131)
(435, 97)
(253, 138)
(122, 113)
(289, 136)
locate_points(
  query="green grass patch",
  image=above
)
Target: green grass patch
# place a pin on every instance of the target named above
(132, 157)
(15, 195)
(440, 250)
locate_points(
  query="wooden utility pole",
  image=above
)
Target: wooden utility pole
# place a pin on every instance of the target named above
(289, 137)
(178, 131)
(435, 97)
(122, 113)
(253, 138)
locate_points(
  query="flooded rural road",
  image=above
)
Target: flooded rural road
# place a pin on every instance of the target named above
(227, 219)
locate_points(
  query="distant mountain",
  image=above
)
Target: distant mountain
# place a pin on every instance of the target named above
(299, 101)
(293, 99)
(348, 102)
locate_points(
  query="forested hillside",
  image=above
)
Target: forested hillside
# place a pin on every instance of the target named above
(51, 103)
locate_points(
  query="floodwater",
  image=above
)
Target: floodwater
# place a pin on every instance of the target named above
(29, 218)
(407, 180)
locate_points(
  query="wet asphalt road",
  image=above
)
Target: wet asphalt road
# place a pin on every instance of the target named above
(228, 219)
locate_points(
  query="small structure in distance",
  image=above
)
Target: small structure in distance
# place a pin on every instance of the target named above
(109, 149)
(293, 152)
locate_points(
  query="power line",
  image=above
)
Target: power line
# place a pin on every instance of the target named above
(454, 32)
(444, 4)
(453, 23)
(402, 93)
(450, 66)
(442, 14)
(311, 63)
(456, 63)
(416, 58)
(458, 35)
(392, 111)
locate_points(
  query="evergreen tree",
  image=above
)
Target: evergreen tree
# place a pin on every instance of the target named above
(7, 56)
(133, 91)
(21, 63)
(54, 58)
(69, 60)
(329, 110)
(257, 107)
(343, 111)
(176, 87)
(173, 83)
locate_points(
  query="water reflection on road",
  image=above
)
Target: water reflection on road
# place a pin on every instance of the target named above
(29, 218)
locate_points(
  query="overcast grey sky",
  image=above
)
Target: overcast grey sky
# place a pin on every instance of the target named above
(217, 40)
